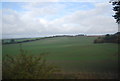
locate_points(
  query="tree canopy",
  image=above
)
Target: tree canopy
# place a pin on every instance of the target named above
(116, 9)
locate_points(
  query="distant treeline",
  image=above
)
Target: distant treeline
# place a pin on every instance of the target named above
(14, 41)
(24, 40)
(108, 38)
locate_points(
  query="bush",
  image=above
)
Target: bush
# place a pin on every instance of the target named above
(24, 66)
(114, 38)
(98, 41)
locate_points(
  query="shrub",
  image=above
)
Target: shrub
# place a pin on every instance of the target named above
(113, 38)
(24, 66)
(98, 41)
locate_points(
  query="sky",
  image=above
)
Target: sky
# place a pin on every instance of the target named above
(39, 19)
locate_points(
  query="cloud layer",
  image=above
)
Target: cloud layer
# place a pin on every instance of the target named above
(54, 1)
(43, 19)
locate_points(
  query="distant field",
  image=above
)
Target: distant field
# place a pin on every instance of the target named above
(72, 54)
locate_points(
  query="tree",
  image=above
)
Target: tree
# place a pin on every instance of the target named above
(116, 8)
(12, 41)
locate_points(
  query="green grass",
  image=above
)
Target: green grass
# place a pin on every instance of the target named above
(0, 53)
(72, 54)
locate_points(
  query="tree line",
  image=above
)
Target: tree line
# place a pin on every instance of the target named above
(109, 38)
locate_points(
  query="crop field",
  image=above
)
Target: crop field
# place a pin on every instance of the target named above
(72, 54)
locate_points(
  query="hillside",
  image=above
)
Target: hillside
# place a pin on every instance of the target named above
(72, 54)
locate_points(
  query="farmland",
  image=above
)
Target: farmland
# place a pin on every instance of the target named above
(71, 54)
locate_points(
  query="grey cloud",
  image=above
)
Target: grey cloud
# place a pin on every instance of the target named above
(54, 1)
(26, 24)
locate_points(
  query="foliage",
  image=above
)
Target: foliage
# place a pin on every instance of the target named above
(24, 66)
(98, 41)
(116, 8)
(115, 38)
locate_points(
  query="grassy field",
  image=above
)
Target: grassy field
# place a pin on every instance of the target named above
(72, 54)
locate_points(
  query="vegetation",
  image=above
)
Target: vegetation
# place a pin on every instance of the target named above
(71, 54)
(116, 8)
(115, 38)
(77, 54)
(23, 66)
(77, 57)
(24, 40)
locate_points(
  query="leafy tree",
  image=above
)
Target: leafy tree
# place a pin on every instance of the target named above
(116, 8)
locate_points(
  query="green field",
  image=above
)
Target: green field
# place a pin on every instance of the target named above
(72, 54)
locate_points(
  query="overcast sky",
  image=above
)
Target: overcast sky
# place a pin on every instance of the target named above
(31, 19)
